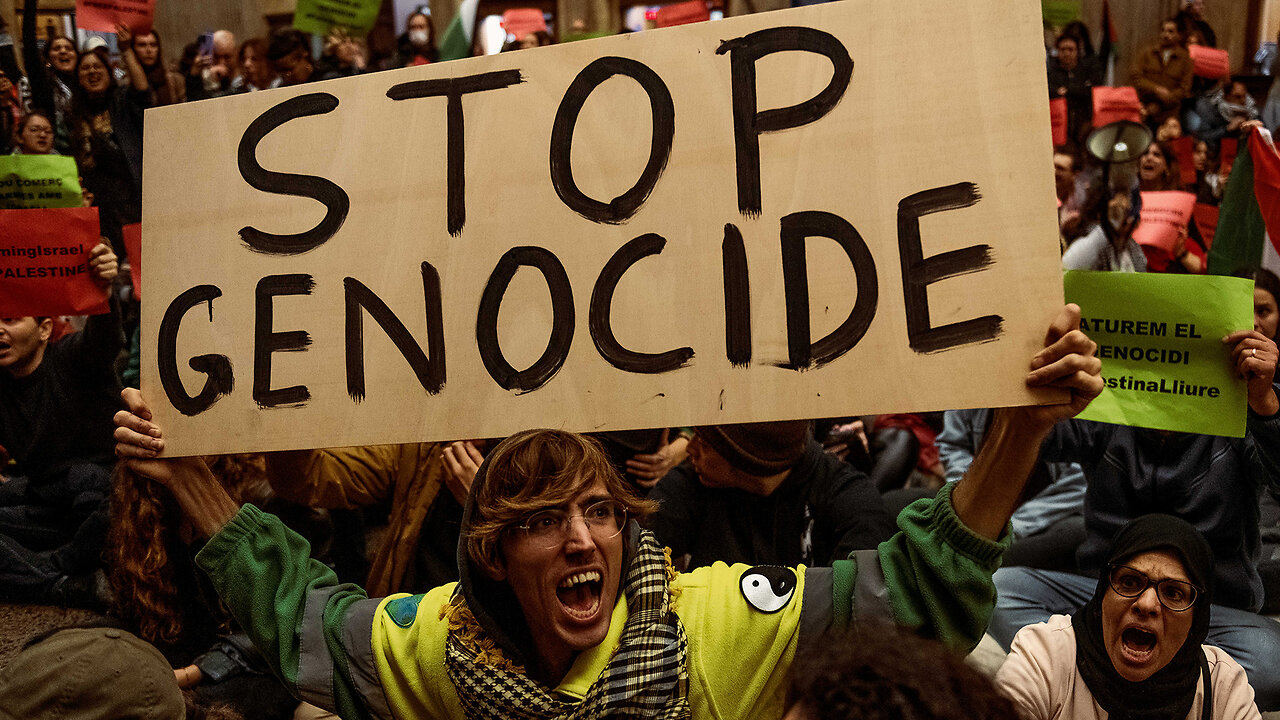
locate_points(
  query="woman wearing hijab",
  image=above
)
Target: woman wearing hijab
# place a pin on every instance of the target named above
(1135, 651)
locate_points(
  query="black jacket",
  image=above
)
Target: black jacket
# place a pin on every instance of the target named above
(824, 510)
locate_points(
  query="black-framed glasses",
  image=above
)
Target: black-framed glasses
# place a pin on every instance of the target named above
(549, 528)
(1176, 595)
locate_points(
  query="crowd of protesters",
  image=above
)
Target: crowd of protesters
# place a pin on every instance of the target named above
(177, 553)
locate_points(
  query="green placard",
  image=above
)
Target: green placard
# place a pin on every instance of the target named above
(319, 16)
(1060, 12)
(38, 181)
(1160, 341)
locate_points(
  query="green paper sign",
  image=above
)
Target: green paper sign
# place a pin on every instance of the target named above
(38, 181)
(319, 16)
(1160, 340)
(1060, 12)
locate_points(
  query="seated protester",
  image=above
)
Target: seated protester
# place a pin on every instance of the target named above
(160, 595)
(34, 135)
(1162, 74)
(167, 88)
(878, 672)
(888, 455)
(56, 400)
(645, 456)
(417, 46)
(1049, 526)
(106, 135)
(1072, 77)
(565, 606)
(1225, 111)
(1111, 247)
(289, 54)
(1209, 481)
(255, 72)
(1136, 649)
(1158, 171)
(766, 494)
(50, 80)
(10, 111)
(90, 673)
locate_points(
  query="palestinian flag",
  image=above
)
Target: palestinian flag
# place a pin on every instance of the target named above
(1249, 218)
(456, 41)
(1107, 48)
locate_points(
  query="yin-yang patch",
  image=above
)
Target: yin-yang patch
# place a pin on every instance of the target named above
(768, 588)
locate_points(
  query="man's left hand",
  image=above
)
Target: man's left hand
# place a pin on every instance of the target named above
(1254, 355)
(103, 264)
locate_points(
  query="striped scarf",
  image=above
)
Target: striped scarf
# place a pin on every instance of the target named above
(646, 678)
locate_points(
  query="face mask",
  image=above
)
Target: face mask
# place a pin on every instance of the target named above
(418, 37)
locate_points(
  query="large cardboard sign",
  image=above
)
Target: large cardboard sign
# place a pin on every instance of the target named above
(757, 218)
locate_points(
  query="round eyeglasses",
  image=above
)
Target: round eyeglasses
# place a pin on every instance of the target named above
(1175, 595)
(549, 528)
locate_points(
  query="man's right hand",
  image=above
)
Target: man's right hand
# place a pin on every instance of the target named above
(139, 444)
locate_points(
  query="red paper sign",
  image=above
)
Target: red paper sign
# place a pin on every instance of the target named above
(133, 248)
(1206, 217)
(519, 22)
(682, 13)
(1115, 103)
(1210, 62)
(1058, 120)
(1184, 151)
(44, 263)
(104, 15)
(1165, 215)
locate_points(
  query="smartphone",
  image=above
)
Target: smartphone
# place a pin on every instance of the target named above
(205, 45)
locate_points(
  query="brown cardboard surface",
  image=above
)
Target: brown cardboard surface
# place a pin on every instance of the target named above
(916, 115)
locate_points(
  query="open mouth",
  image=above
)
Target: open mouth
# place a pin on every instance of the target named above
(1138, 644)
(580, 594)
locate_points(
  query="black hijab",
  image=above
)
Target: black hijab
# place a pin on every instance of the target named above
(1170, 691)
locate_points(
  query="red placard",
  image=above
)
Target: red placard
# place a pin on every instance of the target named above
(519, 22)
(1165, 214)
(44, 263)
(1115, 103)
(682, 13)
(1058, 120)
(104, 15)
(133, 248)
(1184, 150)
(1206, 219)
(1210, 62)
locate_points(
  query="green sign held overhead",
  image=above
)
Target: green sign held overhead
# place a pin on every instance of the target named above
(38, 181)
(1059, 13)
(1160, 341)
(319, 16)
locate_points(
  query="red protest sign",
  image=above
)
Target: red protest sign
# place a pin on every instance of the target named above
(1206, 218)
(44, 262)
(682, 13)
(1165, 215)
(1115, 103)
(104, 15)
(519, 22)
(133, 248)
(1210, 62)
(1058, 120)
(1184, 151)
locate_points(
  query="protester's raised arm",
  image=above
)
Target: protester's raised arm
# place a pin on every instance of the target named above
(987, 496)
(139, 443)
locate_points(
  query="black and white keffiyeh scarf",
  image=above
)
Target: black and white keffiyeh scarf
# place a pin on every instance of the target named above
(646, 678)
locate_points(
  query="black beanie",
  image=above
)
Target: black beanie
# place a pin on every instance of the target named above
(759, 449)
